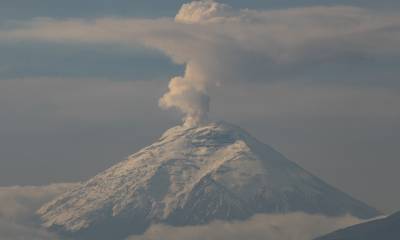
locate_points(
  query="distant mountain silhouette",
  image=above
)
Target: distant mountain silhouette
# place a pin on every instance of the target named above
(382, 229)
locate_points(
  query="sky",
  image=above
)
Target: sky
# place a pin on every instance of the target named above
(81, 83)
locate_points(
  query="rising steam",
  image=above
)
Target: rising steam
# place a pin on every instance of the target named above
(188, 93)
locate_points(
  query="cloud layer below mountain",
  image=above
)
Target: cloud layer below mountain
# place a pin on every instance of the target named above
(299, 226)
(18, 221)
(18, 205)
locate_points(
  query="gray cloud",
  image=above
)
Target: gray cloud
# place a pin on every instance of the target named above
(320, 33)
(72, 60)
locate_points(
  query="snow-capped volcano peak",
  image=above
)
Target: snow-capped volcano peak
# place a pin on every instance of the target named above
(193, 175)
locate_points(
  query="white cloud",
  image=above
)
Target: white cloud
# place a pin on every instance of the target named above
(299, 226)
(204, 11)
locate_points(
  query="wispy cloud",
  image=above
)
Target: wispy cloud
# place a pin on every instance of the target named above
(219, 44)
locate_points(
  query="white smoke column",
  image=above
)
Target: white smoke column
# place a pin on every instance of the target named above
(189, 93)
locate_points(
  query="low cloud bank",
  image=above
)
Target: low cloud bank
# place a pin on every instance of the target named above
(298, 226)
(18, 205)
(18, 221)
(16, 231)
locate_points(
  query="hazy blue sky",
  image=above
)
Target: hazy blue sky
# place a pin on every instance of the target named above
(23, 9)
(70, 108)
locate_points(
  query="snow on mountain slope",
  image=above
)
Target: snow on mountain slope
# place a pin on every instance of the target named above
(193, 175)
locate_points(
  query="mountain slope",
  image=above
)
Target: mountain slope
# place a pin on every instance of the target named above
(385, 229)
(193, 175)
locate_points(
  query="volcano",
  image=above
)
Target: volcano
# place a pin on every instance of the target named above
(191, 176)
